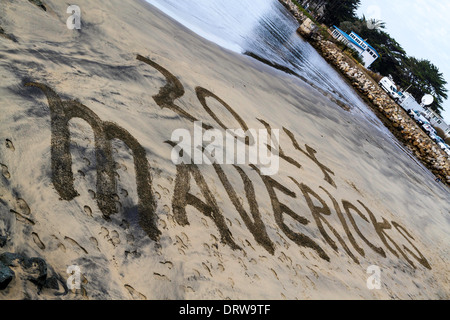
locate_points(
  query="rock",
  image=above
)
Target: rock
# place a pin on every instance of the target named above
(34, 270)
(418, 142)
(6, 275)
(8, 258)
(307, 28)
(3, 240)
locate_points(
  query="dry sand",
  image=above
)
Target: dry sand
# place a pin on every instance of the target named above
(346, 197)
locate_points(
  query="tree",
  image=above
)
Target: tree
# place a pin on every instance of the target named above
(392, 55)
(425, 78)
(420, 76)
(337, 11)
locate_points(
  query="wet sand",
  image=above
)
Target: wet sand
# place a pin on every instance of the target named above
(346, 196)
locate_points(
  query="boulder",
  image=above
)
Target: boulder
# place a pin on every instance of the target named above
(307, 28)
(3, 240)
(6, 275)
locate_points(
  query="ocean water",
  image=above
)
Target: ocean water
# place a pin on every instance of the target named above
(266, 29)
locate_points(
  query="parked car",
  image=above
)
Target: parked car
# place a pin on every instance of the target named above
(437, 139)
(418, 116)
(429, 129)
(445, 147)
(389, 86)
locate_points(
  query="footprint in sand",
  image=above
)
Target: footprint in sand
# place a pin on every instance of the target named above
(10, 145)
(59, 244)
(187, 289)
(104, 232)
(62, 247)
(5, 171)
(207, 268)
(166, 209)
(197, 273)
(185, 237)
(171, 220)
(220, 294)
(94, 241)
(242, 263)
(75, 244)
(124, 193)
(168, 264)
(88, 211)
(22, 218)
(180, 243)
(165, 190)
(162, 277)
(231, 282)
(115, 239)
(214, 238)
(92, 194)
(249, 244)
(136, 295)
(38, 241)
(162, 224)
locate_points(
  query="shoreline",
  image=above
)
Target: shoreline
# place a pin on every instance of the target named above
(98, 138)
(393, 116)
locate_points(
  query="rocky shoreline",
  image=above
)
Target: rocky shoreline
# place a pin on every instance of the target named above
(389, 112)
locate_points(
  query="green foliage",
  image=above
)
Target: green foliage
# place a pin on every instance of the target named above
(420, 76)
(324, 32)
(426, 79)
(338, 11)
(354, 54)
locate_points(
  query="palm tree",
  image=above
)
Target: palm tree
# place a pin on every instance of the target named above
(376, 24)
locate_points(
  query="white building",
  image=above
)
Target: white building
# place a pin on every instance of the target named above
(408, 102)
(365, 51)
(437, 121)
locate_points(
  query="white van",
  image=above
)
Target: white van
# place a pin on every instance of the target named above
(389, 86)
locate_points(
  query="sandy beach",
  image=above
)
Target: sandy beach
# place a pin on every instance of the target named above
(87, 178)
